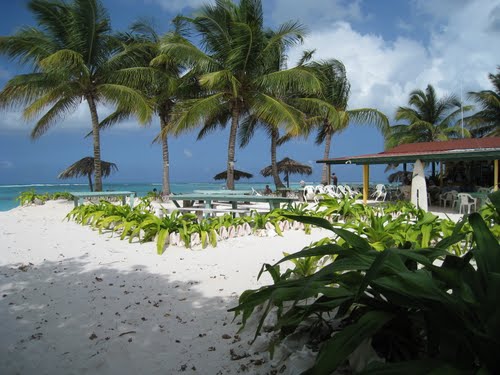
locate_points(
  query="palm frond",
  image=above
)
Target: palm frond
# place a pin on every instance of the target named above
(298, 80)
(275, 112)
(194, 112)
(127, 99)
(369, 116)
(57, 112)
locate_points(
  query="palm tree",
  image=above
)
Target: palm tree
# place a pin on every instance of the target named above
(329, 110)
(73, 55)
(233, 70)
(486, 122)
(429, 120)
(158, 78)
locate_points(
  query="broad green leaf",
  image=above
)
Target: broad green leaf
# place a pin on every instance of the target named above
(160, 241)
(335, 351)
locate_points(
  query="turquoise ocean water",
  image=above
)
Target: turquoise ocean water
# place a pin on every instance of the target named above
(9, 193)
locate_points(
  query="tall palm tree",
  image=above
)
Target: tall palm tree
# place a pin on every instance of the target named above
(73, 55)
(232, 69)
(328, 111)
(158, 78)
(428, 119)
(486, 122)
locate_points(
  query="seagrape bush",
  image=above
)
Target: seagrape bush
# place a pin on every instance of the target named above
(420, 293)
(28, 197)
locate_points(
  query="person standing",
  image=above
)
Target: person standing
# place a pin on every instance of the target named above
(334, 179)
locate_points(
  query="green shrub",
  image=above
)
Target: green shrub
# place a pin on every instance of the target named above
(29, 196)
(422, 308)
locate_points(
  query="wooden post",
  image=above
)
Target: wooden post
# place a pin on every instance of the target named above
(366, 182)
(495, 175)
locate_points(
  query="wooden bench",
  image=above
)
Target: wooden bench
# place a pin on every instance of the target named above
(79, 196)
(205, 212)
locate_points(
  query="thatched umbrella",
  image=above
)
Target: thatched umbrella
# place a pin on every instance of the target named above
(237, 175)
(288, 166)
(85, 167)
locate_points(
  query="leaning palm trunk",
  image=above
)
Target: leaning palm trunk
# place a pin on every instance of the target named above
(166, 162)
(324, 175)
(97, 143)
(231, 148)
(274, 166)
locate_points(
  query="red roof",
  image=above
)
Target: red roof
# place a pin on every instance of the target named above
(443, 146)
(467, 148)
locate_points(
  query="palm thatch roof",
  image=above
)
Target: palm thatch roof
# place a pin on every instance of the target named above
(85, 167)
(287, 166)
(237, 175)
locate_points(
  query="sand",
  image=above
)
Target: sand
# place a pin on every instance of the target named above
(73, 301)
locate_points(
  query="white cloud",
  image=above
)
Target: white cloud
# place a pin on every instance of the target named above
(5, 164)
(80, 119)
(174, 6)
(187, 153)
(383, 73)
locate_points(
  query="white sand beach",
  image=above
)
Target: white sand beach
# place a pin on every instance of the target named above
(73, 301)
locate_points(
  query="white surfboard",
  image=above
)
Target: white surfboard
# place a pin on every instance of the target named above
(418, 186)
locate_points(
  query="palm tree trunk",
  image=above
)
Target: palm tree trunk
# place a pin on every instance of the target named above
(231, 148)
(326, 155)
(97, 143)
(90, 182)
(274, 165)
(166, 162)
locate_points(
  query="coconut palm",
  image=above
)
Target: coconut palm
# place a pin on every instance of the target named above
(233, 70)
(329, 112)
(486, 122)
(157, 77)
(73, 56)
(428, 119)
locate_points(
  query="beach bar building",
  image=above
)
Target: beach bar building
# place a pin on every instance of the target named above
(478, 156)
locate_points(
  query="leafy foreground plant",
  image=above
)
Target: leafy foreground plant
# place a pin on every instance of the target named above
(421, 310)
(29, 197)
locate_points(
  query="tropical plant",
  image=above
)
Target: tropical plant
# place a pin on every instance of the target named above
(421, 310)
(74, 57)
(486, 122)
(428, 119)
(29, 196)
(235, 72)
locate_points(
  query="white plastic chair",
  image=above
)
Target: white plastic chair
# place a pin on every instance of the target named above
(320, 189)
(331, 191)
(342, 191)
(466, 200)
(484, 190)
(352, 192)
(310, 193)
(256, 193)
(380, 192)
(450, 196)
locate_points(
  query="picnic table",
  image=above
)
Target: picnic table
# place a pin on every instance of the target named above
(481, 197)
(79, 196)
(223, 192)
(207, 199)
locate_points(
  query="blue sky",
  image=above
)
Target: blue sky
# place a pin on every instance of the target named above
(389, 48)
